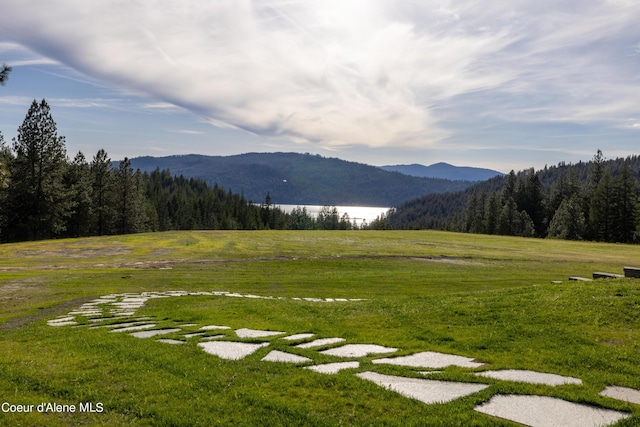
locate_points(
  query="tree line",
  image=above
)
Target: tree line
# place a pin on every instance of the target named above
(597, 201)
(44, 194)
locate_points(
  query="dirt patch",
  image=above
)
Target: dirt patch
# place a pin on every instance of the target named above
(48, 312)
(67, 252)
(166, 264)
(15, 288)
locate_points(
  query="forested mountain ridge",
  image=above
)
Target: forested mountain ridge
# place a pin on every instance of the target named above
(596, 200)
(292, 178)
(445, 171)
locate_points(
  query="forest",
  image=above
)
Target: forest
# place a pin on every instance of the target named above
(44, 194)
(596, 201)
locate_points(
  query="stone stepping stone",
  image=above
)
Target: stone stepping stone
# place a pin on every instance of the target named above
(170, 341)
(333, 368)
(65, 323)
(87, 313)
(530, 377)
(62, 319)
(134, 328)
(622, 393)
(543, 411)
(430, 359)
(115, 325)
(297, 337)
(426, 391)
(230, 350)
(320, 342)
(212, 327)
(212, 337)
(194, 334)
(155, 332)
(255, 333)
(358, 350)
(281, 356)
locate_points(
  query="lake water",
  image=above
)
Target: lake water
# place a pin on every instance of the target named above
(356, 213)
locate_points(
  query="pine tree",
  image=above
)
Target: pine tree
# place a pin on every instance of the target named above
(568, 222)
(102, 196)
(5, 159)
(600, 209)
(492, 214)
(38, 202)
(4, 74)
(78, 181)
(129, 204)
(625, 208)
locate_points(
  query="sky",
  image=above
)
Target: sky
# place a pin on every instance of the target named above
(486, 83)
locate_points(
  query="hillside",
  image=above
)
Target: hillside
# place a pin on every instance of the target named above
(445, 171)
(292, 178)
(540, 195)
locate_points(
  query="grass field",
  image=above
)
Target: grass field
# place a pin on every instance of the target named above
(486, 297)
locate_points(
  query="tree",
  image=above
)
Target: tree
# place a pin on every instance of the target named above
(129, 203)
(568, 222)
(507, 220)
(300, 219)
(492, 214)
(4, 74)
(600, 209)
(625, 206)
(78, 181)
(37, 198)
(5, 159)
(102, 194)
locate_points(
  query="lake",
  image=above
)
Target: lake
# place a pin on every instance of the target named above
(356, 213)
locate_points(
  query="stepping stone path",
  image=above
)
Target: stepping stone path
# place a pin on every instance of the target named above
(537, 411)
(426, 391)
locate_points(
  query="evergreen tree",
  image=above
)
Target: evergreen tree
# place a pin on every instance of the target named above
(4, 74)
(532, 202)
(492, 214)
(625, 208)
(300, 219)
(78, 181)
(37, 199)
(103, 194)
(5, 159)
(508, 219)
(129, 205)
(600, 209)
(568, 222)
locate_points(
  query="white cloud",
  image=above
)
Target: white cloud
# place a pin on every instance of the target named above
(344, 72)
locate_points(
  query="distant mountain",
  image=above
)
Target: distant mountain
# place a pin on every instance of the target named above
(292, 178)
(445, 171)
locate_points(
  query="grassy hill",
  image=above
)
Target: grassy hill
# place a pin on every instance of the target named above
(503, 301)
(292, 178)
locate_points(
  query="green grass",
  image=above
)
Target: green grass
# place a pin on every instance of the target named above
(490, 298)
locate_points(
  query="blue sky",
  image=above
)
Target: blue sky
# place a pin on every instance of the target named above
(487, 83)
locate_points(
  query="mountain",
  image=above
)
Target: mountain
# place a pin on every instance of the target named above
(445, 171)
(292, 178)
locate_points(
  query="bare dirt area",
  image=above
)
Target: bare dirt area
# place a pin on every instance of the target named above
(18, 288)
(169, 263)
(67, 252)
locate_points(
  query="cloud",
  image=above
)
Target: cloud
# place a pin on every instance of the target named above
(375, 73)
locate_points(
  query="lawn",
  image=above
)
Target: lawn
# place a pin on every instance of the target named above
(505, 302)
